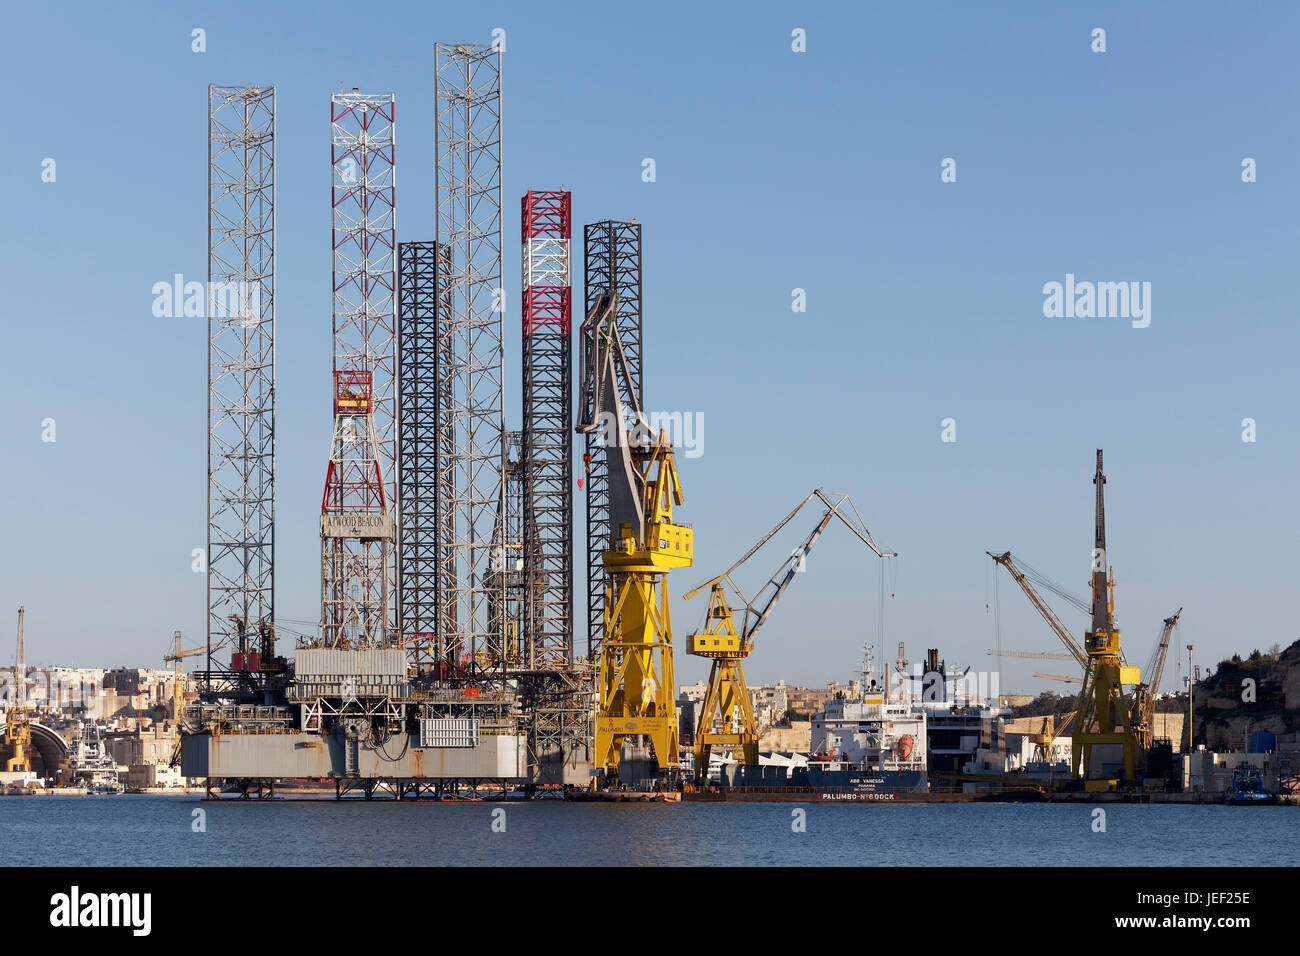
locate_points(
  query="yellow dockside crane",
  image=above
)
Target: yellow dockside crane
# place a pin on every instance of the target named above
(17, 741)
(634, 692)
(726, 702)
(1104, 716)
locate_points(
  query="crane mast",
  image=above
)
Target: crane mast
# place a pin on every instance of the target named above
(1103, 717)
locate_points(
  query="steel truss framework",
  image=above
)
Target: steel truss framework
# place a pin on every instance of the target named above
(423, 269)
(556, 695)
(363, 200)
(356, 524)
(241, 363)
(548, 430)
(611, 263)
(506, 596)
(468, 96)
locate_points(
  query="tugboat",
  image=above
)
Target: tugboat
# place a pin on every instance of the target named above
(1247, 789)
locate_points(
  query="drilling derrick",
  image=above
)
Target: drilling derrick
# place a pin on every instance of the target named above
(635, 683)
(356, 526)
(1103, 717)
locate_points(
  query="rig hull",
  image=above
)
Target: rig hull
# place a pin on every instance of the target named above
(302, 755)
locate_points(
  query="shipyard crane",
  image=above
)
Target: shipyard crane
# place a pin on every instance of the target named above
(176, 657)
(1144, 697)
(178, 687)
(634, 692)
(1045, 740)
(727, 699)
(18, 729)
(1103, 717)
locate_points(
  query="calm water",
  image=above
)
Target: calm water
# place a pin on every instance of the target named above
(148, 830)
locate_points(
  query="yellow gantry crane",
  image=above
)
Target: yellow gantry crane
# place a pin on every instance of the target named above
(18, 729)
(726, 701)
(634, 692)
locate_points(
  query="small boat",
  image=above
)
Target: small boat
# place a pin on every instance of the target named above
(1247, 789)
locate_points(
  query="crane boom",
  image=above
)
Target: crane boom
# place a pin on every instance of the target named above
(755, 618)
(1035, 655)
(751, 552)
(1145, 697)
(1072, 645)
(1157, 671)
(758, 610)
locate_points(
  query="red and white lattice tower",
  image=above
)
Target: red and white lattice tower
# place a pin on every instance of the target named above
(548, 432)
(363, 200)
(356, 524)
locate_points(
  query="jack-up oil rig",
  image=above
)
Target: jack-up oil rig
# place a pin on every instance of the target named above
(444, 662)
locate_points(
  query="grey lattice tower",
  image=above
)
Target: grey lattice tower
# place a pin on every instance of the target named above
(611, 262)
(241, 363)
(421, 278)
(548, 429)
(468, 96)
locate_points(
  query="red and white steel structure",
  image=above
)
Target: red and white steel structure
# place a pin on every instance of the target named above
(546, 221)
(356, 522)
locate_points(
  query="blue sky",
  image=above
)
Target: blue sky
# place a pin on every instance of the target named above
(775, 170)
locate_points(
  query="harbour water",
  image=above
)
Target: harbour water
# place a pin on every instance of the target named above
(154, 830)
